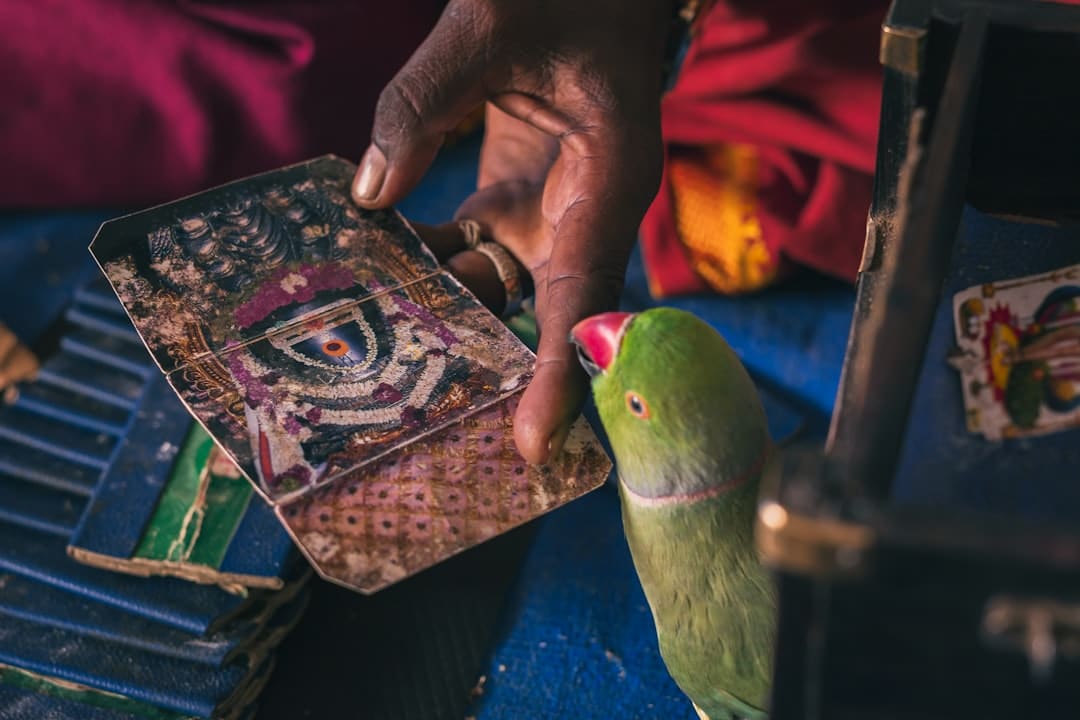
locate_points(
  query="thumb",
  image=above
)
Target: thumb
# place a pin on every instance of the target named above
(428, 97)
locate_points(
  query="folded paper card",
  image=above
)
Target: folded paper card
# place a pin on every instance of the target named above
(364, 392)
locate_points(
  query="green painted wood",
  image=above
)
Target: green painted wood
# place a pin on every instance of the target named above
(185, 527)
(32, 682)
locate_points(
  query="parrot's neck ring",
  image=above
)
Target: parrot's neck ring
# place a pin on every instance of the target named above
(693, 497)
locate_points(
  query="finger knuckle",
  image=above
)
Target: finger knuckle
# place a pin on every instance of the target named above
(402, 106)
(577, 294)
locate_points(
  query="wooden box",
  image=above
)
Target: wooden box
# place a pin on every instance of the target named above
(928, 571)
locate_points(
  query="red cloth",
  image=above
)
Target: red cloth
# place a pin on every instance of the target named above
(133, 102)
(800, 82)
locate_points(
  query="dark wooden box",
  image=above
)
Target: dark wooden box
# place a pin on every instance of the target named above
(926, 572)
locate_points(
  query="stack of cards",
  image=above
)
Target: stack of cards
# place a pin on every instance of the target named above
(99, 462)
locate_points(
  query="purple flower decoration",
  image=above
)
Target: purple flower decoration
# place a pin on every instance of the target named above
(387, 393)
(255, 392)
(428, 319)
(289, 285)
(412, 418)
(292, 425)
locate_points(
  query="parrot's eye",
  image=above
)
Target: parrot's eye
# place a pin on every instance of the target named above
(637, 405)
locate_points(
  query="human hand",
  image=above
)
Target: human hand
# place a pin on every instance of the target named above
(571, 161)
(17, 362)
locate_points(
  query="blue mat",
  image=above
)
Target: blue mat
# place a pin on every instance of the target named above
(579, 639)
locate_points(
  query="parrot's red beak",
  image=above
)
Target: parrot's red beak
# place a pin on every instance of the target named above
(598, 338)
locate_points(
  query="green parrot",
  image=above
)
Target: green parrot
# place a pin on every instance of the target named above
(690, 441)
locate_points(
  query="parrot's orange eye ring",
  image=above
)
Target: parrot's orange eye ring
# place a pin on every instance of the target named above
(335, 348)
(637, 405)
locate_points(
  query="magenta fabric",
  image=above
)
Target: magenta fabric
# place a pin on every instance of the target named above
(131, 102)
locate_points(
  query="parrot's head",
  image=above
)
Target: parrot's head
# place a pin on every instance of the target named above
(678, 406)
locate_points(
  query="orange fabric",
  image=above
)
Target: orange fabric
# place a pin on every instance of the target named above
(715, 207)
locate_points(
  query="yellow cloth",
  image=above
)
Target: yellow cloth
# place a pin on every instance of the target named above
(714, 197)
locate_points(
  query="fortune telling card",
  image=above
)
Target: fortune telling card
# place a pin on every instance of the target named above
(361, 389)
(1019, 354)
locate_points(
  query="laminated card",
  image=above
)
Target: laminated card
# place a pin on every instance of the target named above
(360, 388)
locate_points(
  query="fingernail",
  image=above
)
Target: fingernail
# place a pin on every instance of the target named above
(370, 176)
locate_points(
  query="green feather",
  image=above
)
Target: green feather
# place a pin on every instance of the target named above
(689, 464)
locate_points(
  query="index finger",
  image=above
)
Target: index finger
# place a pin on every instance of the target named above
(584, 276)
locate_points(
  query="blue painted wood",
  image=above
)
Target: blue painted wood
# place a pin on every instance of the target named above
(102, 321)
(36, 466)
(108, 350)
(260, 546)
(32, 601)
(195, 608)
(98, 294)
(72, 443)
(169, 683)
(93, 379)
(125, 498)
(39, 507)
(19, 704)
(71, 408)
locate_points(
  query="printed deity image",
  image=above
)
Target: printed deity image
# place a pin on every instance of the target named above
(324, 347)
(1020, 354)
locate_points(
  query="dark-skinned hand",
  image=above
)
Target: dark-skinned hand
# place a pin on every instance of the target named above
(571, 160)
